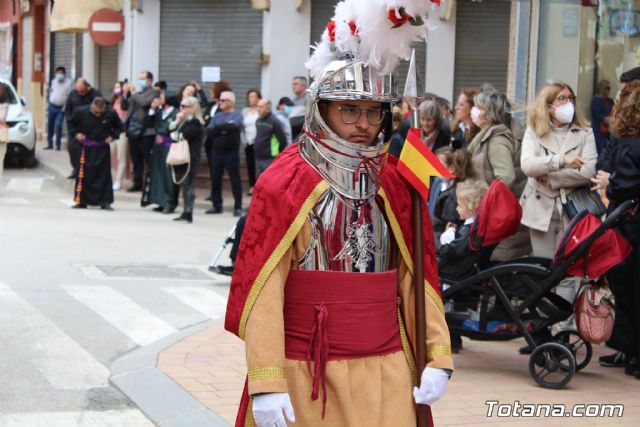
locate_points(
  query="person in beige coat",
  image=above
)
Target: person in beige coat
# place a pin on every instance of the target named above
(558, 155)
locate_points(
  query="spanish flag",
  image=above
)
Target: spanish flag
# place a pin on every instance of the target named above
(418, 164)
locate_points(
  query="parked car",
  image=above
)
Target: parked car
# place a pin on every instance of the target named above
(22, 129)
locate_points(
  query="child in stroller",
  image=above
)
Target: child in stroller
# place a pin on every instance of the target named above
(454, 254)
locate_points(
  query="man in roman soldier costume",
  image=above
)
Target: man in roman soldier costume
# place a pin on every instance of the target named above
(322, 292)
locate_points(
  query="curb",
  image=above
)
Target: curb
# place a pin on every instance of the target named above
(162, 400)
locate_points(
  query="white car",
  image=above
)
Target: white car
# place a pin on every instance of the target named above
(22, 128)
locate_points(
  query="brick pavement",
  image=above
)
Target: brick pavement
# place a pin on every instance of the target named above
(210, 365)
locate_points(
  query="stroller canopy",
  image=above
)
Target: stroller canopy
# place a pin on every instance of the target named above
(606, 251)
(497, 218)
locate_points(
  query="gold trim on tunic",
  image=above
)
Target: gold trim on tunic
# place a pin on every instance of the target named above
(279, 252)
(270, 373)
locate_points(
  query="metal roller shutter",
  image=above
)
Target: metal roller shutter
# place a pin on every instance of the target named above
(62, 51)
(107, 69)
(224, 33)
(322, 11)
(482, 44)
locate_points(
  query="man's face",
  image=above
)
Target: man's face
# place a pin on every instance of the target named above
(358, 122)
(143, 76)
(298, 87)
(96, 111)
(81, 88)
(225, 103)
(263, 107)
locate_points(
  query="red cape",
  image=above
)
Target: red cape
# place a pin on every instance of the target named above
(283, 198)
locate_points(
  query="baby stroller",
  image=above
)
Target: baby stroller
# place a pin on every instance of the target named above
(233, 238)
(512, 299)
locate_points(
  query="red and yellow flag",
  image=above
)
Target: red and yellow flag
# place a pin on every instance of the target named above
(418, 164)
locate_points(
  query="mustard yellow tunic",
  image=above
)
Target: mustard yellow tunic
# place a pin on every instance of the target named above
(370, 391)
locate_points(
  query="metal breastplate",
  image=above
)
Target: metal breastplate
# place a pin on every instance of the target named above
(346, 235)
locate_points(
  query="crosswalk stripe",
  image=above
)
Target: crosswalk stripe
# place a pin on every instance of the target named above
(207, 302)
(122, 418)
(130, 318)
(27, 185)
(61, 360)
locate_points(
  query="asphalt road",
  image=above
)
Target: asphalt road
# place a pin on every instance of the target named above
(79, 288)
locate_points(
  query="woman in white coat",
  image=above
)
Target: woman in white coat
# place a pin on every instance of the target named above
(558, 156)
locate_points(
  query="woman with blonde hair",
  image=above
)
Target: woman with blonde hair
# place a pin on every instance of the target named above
(558, 156)
(188, 125)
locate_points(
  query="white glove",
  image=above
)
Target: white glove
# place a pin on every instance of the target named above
(268, 409)
(433, 385)
(448, 236)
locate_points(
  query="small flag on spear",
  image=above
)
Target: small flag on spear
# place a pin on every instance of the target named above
(418, 164)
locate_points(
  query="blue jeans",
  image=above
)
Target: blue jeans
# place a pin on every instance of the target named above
(55, 118)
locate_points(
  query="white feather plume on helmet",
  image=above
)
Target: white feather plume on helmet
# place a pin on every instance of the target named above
(377, 32)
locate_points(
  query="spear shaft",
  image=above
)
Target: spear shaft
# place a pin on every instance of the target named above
(411, 96)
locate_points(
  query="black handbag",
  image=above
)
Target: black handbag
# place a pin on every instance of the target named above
(582, 199)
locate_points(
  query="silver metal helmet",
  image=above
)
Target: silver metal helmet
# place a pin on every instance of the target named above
(353, 170)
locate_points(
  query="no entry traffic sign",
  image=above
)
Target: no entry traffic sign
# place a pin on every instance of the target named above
(106, 27)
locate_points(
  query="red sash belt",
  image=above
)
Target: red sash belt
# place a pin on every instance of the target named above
(332, 315)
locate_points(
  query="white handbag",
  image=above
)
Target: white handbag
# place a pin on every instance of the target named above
(179, 154)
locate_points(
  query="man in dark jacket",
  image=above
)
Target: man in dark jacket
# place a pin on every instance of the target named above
(270, 138)
(224, 133)
(82, 95)
(140, 136)
(94, 127)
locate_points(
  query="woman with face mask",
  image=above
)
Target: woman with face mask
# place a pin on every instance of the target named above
(558, 156)
(496, 155)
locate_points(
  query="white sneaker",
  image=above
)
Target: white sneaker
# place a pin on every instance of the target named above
(116, 186)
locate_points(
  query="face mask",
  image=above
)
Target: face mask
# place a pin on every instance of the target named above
(475, 116)
(142, 83)
(117, 92)
(564, 113)
(60, 77)
(288, 109)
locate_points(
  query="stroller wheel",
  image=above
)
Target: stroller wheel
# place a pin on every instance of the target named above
(582, 350)
(552, 365)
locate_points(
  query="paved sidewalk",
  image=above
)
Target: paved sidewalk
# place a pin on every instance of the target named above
(210, 365)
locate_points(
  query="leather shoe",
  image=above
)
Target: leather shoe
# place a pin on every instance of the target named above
(213, 211)
(168, 210)
(134, 189)
(187, 216)
(48, 148)
(158, 209)
(106, 208)
(79, 206)
(237, 212)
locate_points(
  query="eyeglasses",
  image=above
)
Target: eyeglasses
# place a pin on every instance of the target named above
(184, 106)
(350, 114)
(565, 99)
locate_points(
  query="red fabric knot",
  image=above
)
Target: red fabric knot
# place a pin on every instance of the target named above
(319, 349)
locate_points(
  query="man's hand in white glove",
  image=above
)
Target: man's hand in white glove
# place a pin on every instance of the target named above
(433, 385)
(268, 409)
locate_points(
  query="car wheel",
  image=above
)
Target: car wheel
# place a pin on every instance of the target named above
(29, 161)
